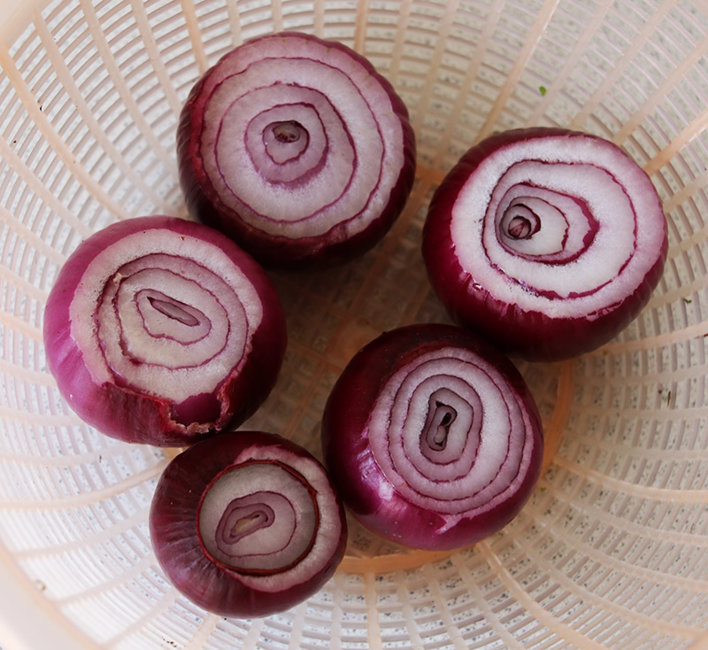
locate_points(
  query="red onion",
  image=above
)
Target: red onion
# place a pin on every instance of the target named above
(432, 437)
(247, 524)
(160, 330)
(547, 241)
(297, 148)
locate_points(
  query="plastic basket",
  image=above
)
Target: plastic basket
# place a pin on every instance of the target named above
(612, 550)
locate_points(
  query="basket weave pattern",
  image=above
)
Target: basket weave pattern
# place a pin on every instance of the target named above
(612, 550)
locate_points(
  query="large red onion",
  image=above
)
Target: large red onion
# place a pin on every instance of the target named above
(160, 330)
(247, 524)
(297, 148)
(547, 241)
(432, 437)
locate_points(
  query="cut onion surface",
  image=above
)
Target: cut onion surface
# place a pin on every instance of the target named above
(432, 438)
(547, 241)
(160, 330)
(297, 148)
(247, 524)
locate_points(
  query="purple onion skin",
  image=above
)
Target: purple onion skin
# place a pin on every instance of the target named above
(358, 477)
(272, 250)
(134, 416)
(532, 335)
(173, 530)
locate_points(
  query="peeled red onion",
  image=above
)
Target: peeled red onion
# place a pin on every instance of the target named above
(432, 438)
(160, 330)
(247, 524)
(547, 241)
(297, 148)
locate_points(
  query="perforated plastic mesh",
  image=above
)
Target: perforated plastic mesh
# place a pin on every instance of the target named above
(612, 550)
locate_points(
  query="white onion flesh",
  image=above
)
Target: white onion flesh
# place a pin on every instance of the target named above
(478, 463)
(245, 521)
(581, 186)
(160, 350)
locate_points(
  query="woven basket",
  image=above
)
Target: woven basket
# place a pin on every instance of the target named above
(612, 549)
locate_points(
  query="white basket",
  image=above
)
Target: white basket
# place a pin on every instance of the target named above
(612, 550)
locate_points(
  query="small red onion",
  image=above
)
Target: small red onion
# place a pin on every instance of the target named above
(432, 438)
(297, 148)
(160, 330)
(546, 241)
(247, 524)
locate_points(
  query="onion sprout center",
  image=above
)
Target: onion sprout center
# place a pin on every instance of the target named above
(437, 428)
(249, 524)
(520, 228)
(172, 309)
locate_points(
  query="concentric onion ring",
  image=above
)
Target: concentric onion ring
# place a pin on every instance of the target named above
(432, 438)
(547, 241)
(162, 330)
(247, 524)
(297, 148)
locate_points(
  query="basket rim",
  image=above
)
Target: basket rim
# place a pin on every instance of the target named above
(16, 16)
(21, 628)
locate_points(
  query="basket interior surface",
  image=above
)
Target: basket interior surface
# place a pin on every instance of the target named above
(612, 549)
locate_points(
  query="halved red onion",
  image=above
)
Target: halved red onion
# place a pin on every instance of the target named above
(432, 438)
(547, 241)
(247, 524)
(297, 148)
(160, 330)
